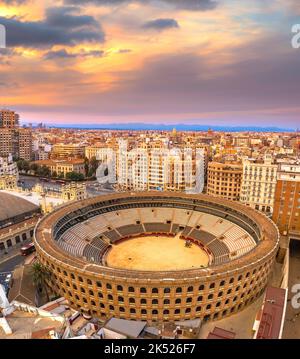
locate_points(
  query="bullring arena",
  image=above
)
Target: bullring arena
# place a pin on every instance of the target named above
(157, 256)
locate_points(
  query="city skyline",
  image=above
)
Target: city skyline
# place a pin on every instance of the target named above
(191, 62)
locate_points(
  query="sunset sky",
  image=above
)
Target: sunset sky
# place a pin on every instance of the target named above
(219, 62)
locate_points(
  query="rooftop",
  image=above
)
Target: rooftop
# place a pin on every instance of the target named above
(13, 206)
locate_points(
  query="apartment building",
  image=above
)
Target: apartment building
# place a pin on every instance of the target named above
(14, 140)
(8, 166)
(67, 150)
(259, 183)
(8, 119)
(224, 180)
(287, 200)
(161, 169)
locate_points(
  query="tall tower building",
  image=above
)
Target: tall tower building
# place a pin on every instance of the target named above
(14, 140)
(8, 119)
(287, 200)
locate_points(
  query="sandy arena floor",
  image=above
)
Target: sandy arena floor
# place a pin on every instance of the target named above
(156, 253)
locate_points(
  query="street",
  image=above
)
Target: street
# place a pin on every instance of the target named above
(10, 264)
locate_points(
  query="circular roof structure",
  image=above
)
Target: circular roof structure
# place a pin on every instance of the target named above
(14, 206)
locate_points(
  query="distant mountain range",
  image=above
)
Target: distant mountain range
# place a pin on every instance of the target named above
(169, 127)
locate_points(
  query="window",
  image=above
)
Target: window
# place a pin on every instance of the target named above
(212, 285)
(108, 286)
(82, 290)
(189, 300)
(89, 282)
(99, 284)
(210, 296)
(167, 301)
(167, 290)
(201, 287)
(178, 301)
(119, 288)
(188, 310)
(80, 279)
(91, 292)
(110, 297)
(143, 290)
(131, 289)
(154, 290)
(131, 300)
(190, 289)
(178, 290)
(122, 309)
(154, 301)
(120, 299)
(111, 307)
(154, 312)
(132, 310)
(143, 301)
(166, 312)
(177, 311)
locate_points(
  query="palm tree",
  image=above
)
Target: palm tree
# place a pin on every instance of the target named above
(40, 274)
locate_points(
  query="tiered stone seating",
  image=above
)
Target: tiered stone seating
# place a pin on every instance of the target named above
(202, 236)
(131, 229)
(112, 235)
(157, 227)
(74, 243)
(175, 228)
(186, 231)
(92, 254)
(218, 248)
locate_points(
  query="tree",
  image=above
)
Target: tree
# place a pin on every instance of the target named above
(93, 164)
(34, 167)
(54, 174)
(74, 176)
(40, 275)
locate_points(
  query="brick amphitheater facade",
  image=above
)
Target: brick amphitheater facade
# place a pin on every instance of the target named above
(232, 280)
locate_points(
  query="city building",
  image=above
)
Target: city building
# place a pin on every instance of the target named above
(18, 218)
(161, 169)
(224, 180)
(287, 200)
(63, 167)
(67, 150)
(8, 167)
(258, 183)
(14, 140)
(73, 191)
(106, 171)
(8, 119)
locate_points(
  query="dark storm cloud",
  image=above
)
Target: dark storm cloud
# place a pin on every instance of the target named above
(61, 26)
(64, 17)
(13, 2)
(64, 54)
(195, 5)
(60, 54)
(161, 24)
